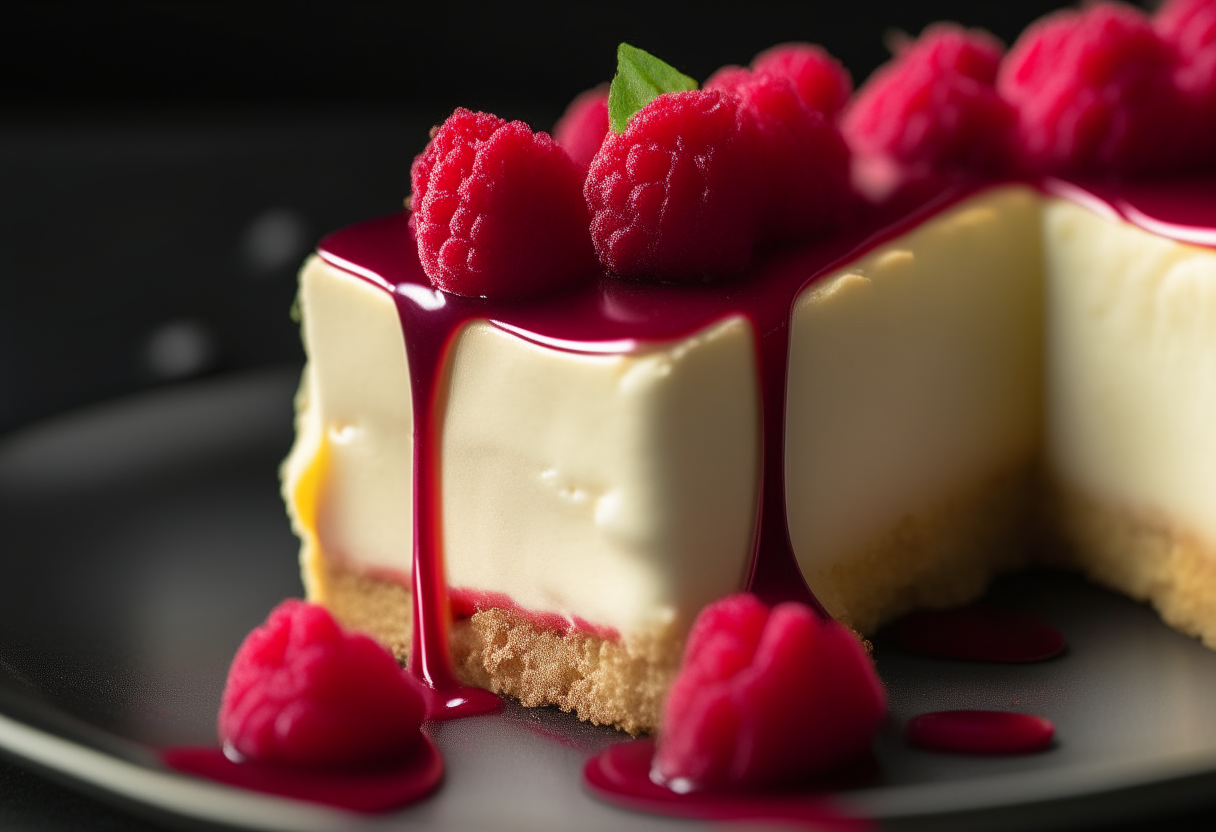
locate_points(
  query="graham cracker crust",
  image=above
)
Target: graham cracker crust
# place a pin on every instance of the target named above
(944, 557)
(603, 681)
(1138, 554)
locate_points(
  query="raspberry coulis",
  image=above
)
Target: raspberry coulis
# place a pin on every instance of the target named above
(980, 732)
(365, 789)
(621, 776)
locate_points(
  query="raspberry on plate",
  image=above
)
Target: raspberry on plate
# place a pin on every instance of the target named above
(934, 107)
(676, 196)
(498, 210)
(302, 692)
(800, 150)
(1094, 91)
(766, 698)
(581, 129)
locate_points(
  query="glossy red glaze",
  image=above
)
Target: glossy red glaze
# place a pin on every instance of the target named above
(368, 790)
(980, 732)
(621, 775)
(979, 634)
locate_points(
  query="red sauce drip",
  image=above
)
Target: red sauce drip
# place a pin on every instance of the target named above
(981, 732)
(621, 775)
(365, 790)
(979, 634)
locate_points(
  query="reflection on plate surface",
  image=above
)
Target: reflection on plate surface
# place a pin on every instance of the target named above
(144, 538)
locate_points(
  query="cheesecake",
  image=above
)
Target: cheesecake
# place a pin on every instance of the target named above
(1021, 348)
(946, 373)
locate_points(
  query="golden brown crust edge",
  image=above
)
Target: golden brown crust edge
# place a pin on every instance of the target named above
(1138, 554)
(602, 681)
(936, 559)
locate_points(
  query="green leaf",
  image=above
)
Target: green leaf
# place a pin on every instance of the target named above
(640, 78)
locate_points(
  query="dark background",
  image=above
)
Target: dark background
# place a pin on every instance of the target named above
(164, 167)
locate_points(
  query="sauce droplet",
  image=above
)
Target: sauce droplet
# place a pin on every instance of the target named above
(980, 732)
(621, 776)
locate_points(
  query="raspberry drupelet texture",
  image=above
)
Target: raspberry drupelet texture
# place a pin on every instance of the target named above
(800, 151)
(821, 80)
(677, 196)
(935, 106)
(582, 128)
(1094, 91)
(303, 692)
(1189, 26)
(498, 210)
(766, 698)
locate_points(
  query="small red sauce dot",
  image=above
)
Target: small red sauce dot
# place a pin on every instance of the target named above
(980, 732)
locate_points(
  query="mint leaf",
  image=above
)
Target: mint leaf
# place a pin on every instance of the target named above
(640, 78)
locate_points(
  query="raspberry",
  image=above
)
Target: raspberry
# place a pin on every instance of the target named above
(766, 698)
(302, 692)
(581, 129)
(934, 107)
(1094, 91)
(1190, 27)
(498, 210)
(820, 79)
(675, 197)
(801, 153)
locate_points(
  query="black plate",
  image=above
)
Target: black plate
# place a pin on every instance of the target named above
(144, 538)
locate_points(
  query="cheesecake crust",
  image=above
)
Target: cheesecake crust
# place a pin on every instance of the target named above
(1138, 553)
(940, 557)
(604, 681)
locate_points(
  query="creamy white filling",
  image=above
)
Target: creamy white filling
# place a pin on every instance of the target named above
(914, 372)
(1131, 381)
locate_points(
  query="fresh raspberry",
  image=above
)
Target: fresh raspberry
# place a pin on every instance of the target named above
(1190, 27)
(302, 692)
(823, 83)
(581, 129)
(676, 196)
(498, 210)
(1094, 92)
(934, 107)
(766, 699)
(801, 152)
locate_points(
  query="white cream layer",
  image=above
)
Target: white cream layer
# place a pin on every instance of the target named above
(1131, 381)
